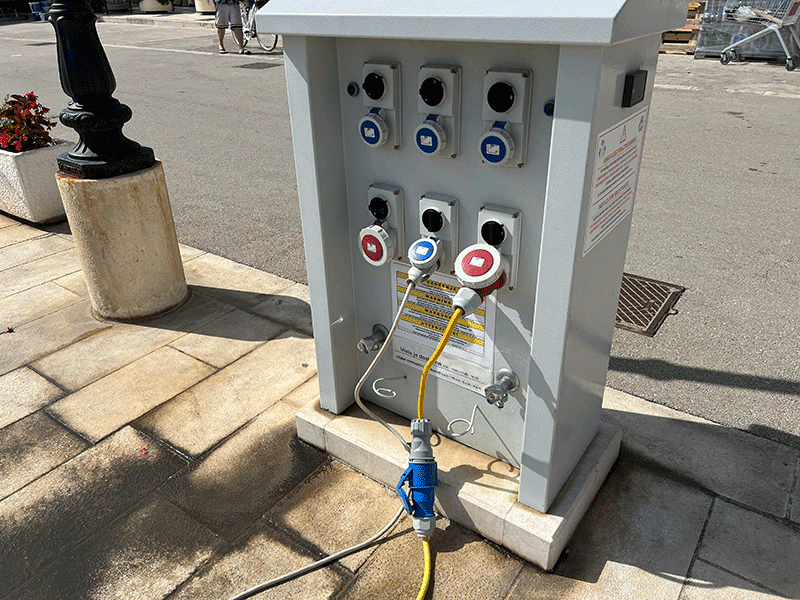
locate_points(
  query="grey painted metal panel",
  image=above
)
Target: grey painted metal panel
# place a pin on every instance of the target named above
(314, 110)
(513, 21)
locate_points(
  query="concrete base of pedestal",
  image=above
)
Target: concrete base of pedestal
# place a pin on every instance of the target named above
(125, 237)
(475, 490)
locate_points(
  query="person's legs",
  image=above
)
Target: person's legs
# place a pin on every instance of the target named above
(238, 36)
(222, 20)
(235, 18)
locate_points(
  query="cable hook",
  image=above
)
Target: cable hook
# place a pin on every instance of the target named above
(471, 425)
(385, 392)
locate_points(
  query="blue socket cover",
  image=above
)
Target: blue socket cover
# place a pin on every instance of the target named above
(493, 149)
(372, 129)
(427, 141)
(424, 253)
(497, 145)
(430, 137)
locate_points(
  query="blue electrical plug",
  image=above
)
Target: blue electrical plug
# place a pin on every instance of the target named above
(421, 476)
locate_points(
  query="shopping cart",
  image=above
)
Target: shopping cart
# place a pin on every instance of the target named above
(776, 16)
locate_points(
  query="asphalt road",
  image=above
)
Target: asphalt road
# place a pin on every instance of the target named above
(717, 208)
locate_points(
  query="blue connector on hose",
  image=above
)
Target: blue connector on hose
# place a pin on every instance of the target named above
(421, 476)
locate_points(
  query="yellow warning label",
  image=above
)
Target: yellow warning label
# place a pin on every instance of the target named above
(429, 309)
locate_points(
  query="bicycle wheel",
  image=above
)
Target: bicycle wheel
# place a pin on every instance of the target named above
(267, 41)
(247, 32)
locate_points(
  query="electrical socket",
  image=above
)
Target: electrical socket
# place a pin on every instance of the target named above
(394, 198)
(448, 234)
(511, 220)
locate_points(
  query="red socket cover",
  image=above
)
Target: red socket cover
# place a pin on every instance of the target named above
(479, 266)
(377, 245)
(372, 247)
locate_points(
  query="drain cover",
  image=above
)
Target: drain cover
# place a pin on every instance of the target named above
(645, 303)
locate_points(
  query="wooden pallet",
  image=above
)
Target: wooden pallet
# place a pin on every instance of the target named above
(684, 40)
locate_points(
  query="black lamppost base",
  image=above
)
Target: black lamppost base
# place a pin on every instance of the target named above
(102, 151)
(103, 169)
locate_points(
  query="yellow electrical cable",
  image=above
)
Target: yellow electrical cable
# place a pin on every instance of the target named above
(426, 544)
(426, 577)
(434, 357)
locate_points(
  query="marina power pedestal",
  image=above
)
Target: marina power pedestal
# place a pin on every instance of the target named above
(518, 125)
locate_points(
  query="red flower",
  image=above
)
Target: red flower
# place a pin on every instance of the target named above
(18, 146)
(4, 139)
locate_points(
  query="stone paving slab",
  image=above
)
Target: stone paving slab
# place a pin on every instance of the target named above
(188, 252)
(31, 447)
(228, 338)
(794, 509)
(60, 509)
(241, 479)
(465, 567)
(209, 412)
(264, 553)
(15, 234)
(345, 507)
(291, 306)
(36, 302)
(235, 284)
(6, 221)
(88, 360)
(75, 283)
(47, 334)
(303, 395)
(636, 542)
(758, 548)
(755, 471)
(143, 556)
(39, 271)
(121, 397)
(35, 247)
(23, 392)
(707, 582)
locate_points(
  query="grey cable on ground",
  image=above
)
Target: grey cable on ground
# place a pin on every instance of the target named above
(320, 563)
(357, 393)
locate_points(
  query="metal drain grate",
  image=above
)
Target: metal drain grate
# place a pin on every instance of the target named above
(645, 303)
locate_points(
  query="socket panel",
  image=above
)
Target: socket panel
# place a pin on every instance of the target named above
(517, 118)
(511, 220)
(390, 103)
(449, 111)
(394, 198)
(448, 235)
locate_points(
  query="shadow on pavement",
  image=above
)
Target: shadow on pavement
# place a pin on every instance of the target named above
(666, 371)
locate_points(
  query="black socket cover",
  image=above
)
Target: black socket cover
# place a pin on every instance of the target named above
(500, 97)
(432, 91)
(374, 86)
(433, 220)
(493, 233)
(379, 208)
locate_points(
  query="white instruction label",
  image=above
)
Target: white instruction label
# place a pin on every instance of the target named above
(468, 358)
(616, 169)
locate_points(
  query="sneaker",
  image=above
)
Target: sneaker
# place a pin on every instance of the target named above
(222, 51)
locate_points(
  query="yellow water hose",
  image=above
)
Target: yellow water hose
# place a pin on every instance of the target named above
(448, 331)
(426, 577)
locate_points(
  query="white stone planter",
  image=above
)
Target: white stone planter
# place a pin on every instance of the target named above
(205, 7)
(154, 6)
(28, 187)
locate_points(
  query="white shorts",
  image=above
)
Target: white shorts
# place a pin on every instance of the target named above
(228, 14)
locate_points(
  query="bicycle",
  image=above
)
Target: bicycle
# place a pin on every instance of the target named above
(267, 41)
